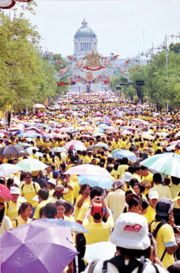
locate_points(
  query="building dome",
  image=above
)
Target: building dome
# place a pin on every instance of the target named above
(85, 40)
(84, 31)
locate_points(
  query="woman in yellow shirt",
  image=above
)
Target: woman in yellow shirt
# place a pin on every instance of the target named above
(25, 212)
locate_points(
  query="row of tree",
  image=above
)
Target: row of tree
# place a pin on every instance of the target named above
(161, 78)
(26, 76)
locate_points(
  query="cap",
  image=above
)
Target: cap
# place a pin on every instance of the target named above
(61, 189)
(52, 181)
(153, 195)
(117, 184)
(126, 176)
(131, 232)
(14, 190)
(164, 207)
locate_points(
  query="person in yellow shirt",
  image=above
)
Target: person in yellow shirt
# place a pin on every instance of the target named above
(150, 214)
(175, 190)
(98, 230)
(60, 210)
(162, 190)
(43, 195)
(82, 199)
(50, 185)
(166, 243)
(25, 212)
(68, 184)
(29, 189)
(12, 207)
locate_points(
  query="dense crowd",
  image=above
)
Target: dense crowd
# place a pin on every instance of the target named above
(104, 131)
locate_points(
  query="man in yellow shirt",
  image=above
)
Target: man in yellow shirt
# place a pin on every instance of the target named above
(116, 199)
(43, 195)
(150, 214)
(162, 190)
(29, 189)
(98, 230)
(166, 243)
(12, 207)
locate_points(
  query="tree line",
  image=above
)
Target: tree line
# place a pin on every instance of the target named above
(161, 78)
(27, 76)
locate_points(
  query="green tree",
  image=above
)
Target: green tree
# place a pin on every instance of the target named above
(115, 82)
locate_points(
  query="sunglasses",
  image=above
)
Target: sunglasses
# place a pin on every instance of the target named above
(28, 177)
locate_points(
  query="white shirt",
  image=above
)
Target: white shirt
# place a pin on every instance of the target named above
(113, 269)
(5, 225)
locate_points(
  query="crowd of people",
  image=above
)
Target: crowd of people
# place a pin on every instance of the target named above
(99, 129)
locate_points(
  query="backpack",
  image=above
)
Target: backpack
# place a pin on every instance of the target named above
(34, 186)
(118, 262)
(154, 233)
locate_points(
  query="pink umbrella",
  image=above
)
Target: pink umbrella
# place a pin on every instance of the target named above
(5, 193)
(88, 169)
(75, 144)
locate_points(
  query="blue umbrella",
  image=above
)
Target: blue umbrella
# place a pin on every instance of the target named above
(104, 182)
(120, 153)
(102, 145)
(75, 227)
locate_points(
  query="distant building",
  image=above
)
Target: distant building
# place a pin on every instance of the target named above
(85, 40)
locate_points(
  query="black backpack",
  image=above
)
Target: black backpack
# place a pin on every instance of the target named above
(154, 233)
(119, 263)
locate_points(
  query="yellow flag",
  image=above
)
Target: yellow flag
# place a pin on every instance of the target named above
(75, 123)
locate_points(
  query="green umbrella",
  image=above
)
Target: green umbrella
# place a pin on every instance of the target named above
(29, 165)
(165, 163)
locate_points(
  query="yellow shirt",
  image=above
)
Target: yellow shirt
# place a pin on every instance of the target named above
(150, 214)
(82, 212)
(98, 232)
(175, 189)
(165, 238)
(29, 192)
(77, 209)
(69, 196)
(39, 206)
(121, 170)
(19, 221)
(116, 202)
(163, 191)
(11, 208)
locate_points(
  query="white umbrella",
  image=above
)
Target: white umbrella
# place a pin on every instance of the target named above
(30, 165)
(38, 105)
(7, 169)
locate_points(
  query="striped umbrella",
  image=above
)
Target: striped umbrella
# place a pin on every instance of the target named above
(165, 163)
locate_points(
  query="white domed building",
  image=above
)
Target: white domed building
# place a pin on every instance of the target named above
(85, 40)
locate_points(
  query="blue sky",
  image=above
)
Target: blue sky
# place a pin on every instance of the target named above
(124, 27)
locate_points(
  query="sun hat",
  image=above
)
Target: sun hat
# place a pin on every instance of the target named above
(126, 176)
(118, 183)
(52, 181)
(131, 232)
(153, 195)
(61, 189)
(164, 207)
(14, 190)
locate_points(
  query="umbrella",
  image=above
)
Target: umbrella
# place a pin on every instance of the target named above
(36, 247)
(120, 153)
(58, 150)
(166, 163)
(97, 180)
(102, 145)
(96, 251)
(75, 144)
(88, 169)
(7, 169)
(5, 193)
(38, 105)
(75, 227)
(29, 165)
(12, 151)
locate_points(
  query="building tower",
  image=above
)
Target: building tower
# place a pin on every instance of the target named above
(85, 40)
